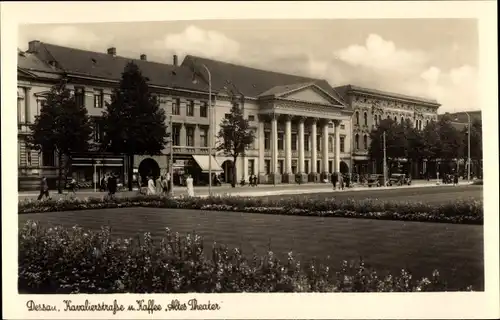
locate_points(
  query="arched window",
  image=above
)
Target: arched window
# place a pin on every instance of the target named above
(365, 142)
(426, 122)
(356, 139)
(357, 117)
(395, 119)
(365, 116)
(375, 120)
(388, 116)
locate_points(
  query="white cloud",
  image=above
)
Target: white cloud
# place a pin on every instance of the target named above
(196, 41)
(70, 36)
(380, 64)
(456, 89)
(381, 54)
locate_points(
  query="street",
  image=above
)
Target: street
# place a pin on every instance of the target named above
(260, 190)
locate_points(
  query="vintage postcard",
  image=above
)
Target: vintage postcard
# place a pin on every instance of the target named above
(291, 160)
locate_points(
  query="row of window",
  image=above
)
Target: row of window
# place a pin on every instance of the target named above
(378, 118)
(281, 137)
(176, 105)
(365, 142)
(281, 168)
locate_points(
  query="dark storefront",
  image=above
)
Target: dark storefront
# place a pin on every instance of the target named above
(89, 169)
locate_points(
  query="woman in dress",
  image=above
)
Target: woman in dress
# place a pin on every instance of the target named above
(189, 185)
(151, 186)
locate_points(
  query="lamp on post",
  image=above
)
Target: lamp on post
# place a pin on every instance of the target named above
(468, 143)
(210, 128)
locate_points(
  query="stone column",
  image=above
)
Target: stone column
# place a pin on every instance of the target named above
(303, 176)
(289, 178)
(336, 166)
(275, 175)
(314, 176)
(325, 146)
(261, 133)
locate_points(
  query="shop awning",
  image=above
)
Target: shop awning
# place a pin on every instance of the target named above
(203, 162)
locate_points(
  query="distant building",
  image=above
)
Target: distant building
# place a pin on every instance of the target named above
(369, 107)
(460, 120)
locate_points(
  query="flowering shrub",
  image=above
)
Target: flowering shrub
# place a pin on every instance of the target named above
(464, 211)
(61, 260)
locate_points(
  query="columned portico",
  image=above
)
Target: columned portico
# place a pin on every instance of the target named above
(289, 177)
(324, 147)
(301, 144)
(336, 124)
(313, 175)
(275, 175)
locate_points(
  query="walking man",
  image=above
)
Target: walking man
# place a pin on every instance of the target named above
(44, 189)
(334, 178)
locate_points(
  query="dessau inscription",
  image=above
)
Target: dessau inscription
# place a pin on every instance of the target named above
(150, 306)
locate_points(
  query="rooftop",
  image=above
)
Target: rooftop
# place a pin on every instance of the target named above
(252, 82)
(346, 89)
(110, 66)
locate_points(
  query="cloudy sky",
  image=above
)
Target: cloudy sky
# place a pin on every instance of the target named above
(435, 58)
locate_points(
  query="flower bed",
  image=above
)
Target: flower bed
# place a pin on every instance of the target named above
(60, 260)
(467, 212)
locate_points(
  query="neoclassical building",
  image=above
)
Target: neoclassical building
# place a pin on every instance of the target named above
(303, 126)
(369, 107)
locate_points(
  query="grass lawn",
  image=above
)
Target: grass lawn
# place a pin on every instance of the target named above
(434, 195)
(455, 250)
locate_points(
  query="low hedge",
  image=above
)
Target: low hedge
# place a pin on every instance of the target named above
(464, 211)
(61, 260)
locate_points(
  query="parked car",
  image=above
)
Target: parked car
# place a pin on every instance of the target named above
(376, 180)
(399, 179)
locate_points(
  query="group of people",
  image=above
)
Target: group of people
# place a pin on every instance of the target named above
(338, 178)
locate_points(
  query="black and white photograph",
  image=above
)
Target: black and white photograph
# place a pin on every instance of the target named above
(202, 156)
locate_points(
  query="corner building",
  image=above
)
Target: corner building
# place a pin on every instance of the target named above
(369, 107)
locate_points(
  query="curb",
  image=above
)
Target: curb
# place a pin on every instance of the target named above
(324, 190)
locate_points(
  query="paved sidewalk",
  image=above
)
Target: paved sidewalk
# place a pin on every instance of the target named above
(260, 190)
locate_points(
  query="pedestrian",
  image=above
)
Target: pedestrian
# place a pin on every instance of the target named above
(112, 184)
(163, 185)
(73, 185)
(189, 186)
(455, 179)
(341, 181)
(44, 189)
(334, 178)
(347, 181)
(151, 186)
(102, 185)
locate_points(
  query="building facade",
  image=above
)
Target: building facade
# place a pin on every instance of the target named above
(369, 107)
(303, 127)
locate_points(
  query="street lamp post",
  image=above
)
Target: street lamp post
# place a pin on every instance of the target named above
(468, 144)
(210, 129)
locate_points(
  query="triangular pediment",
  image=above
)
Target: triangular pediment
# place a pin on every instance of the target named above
(311, 94)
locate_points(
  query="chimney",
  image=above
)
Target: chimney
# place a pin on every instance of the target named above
(112, 51)
(175, 60)
(33, 46)
(144, 57)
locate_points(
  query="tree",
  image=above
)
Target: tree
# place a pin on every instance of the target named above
(133, 122)
(431, 141)
(476, 143)
(395, 141)
(63, 126)
(450, 144)
(234, 136)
